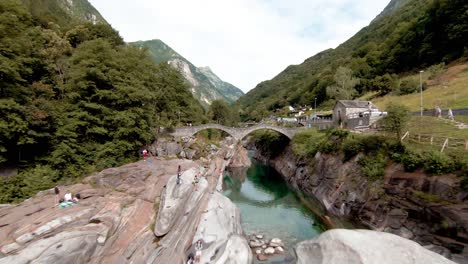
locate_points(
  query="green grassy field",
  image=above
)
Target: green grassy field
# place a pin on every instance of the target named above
(436, 127)
(451, 92)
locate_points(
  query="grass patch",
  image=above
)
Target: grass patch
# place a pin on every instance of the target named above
(427, 125)
(450, 93)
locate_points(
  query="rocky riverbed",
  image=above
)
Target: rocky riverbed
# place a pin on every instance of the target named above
(137, 213)
(131, 214)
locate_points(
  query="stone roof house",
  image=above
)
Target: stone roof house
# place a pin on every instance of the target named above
(352, 113)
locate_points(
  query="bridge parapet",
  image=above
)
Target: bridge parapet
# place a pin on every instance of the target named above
(237, 133)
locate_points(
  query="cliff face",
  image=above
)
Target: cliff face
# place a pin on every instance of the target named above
(430, 210)
(203, 83)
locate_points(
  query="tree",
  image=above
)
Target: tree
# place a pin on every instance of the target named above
(385, 83)
(220, 112)
(344, 84)
(396, 119)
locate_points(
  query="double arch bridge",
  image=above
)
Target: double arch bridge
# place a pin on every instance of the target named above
(238, 133)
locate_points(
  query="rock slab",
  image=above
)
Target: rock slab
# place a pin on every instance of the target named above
(364, 247)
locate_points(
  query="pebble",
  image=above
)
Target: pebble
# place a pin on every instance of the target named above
(262, 257)
(275, 240)
(269, 251)
(279, 250)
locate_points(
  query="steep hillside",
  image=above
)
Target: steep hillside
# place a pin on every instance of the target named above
(204, 84)
(407, 36)
(73, 101)
(63, 12)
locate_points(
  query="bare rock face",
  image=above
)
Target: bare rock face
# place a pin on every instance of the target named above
(401, 202)
(240, 157)
(110, 224)
(364, 247)
(221, 231)
(136, 213)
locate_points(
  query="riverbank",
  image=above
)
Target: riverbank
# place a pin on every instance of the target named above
(399, 204)
(135, 213)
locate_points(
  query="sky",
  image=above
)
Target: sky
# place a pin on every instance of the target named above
(244, 42)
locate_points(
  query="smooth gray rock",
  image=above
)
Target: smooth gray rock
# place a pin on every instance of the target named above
(221, 230)
(76, 246)
(173, 201)
(364, 247)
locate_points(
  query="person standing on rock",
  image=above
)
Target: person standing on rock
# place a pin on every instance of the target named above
(198, 250)
(145, 154)
(178, 175)
(57, 194)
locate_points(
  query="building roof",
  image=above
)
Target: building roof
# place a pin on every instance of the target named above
(357, 104)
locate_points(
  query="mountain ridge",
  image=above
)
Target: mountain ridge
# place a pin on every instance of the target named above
(406, 36)
(65, 13)
(204, 84)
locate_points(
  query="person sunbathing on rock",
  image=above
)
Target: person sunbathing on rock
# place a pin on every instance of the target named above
(68, 200)
(190, 259)
(67, 197)
(76, 198)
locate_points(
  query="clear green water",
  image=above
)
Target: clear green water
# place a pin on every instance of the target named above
(269, 207)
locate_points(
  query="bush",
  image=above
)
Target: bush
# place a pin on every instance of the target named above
(351, 147)
(373, 167)
(437, 163)
(307, 143)
(337, 134)
(412, 160)
(27, 183)
(409, 86)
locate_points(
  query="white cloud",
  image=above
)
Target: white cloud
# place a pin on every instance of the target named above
(244, 41)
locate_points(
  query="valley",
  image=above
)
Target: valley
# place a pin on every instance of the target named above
(115, 148)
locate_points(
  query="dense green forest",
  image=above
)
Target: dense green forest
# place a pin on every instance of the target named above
(76, 99)
(408, 36)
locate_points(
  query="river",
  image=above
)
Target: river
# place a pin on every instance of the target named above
(269, 207)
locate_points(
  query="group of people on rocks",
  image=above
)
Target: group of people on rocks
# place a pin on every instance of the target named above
(67, 200)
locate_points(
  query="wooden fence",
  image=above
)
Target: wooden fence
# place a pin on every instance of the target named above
(442, 142)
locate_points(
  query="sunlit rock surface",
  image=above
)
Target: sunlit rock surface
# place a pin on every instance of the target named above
(364, 247)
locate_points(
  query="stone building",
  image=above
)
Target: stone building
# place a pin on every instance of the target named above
(352, 114)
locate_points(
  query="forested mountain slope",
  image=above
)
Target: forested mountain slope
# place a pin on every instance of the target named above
(407, 36)
(64, 13)
(77, 100)
(204, 84)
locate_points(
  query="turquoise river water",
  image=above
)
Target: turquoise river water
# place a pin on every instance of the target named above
(269, 207)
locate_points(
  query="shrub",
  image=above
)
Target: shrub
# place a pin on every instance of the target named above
(307, 143)
(373, 167)
(437, 163)
(336, 133)
(408, 86)
(412, 160)
(351, 147)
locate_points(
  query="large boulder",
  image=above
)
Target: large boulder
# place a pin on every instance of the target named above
(364, 247)
(221, 231)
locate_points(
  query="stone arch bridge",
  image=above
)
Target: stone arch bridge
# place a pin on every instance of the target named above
(237, 133)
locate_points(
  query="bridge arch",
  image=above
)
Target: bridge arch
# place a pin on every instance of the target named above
(237, 133)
